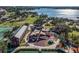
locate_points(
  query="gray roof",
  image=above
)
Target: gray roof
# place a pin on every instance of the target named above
(20, 33)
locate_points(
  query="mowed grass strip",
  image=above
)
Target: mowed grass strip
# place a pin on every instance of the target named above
(31, 20)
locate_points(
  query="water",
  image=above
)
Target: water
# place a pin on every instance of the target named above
(65, 13)
(3, 30)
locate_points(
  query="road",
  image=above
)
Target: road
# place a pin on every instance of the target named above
(31, 46)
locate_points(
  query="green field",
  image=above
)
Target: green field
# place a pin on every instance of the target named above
(74, 37)
(73, 33)
(29, 20)
(46, 25)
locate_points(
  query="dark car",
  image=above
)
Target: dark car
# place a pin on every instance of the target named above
(32, 38)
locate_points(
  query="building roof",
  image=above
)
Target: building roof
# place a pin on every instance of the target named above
(21, 32)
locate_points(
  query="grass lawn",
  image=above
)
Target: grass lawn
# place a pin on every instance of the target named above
(8, 24)
(23, 43)
(29, 20)
(48, 25)
(75, 37)
(74, 33)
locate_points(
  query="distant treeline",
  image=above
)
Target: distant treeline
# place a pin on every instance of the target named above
(38, 7)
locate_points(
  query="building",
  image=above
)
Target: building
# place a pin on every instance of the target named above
(19, 35)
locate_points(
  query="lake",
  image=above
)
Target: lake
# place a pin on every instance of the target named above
(65, 13)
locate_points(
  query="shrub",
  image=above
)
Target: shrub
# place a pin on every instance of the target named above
(50, 42)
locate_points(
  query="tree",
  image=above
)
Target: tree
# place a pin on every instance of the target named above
(75, 40)
(14, 28)
(42, 16)
(7, 34)
(61, 29)
(50, 42)
(26, 24)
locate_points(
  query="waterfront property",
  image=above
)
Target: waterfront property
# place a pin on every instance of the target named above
(37, 29)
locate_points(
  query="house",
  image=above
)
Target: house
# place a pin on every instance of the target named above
(16, 39)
